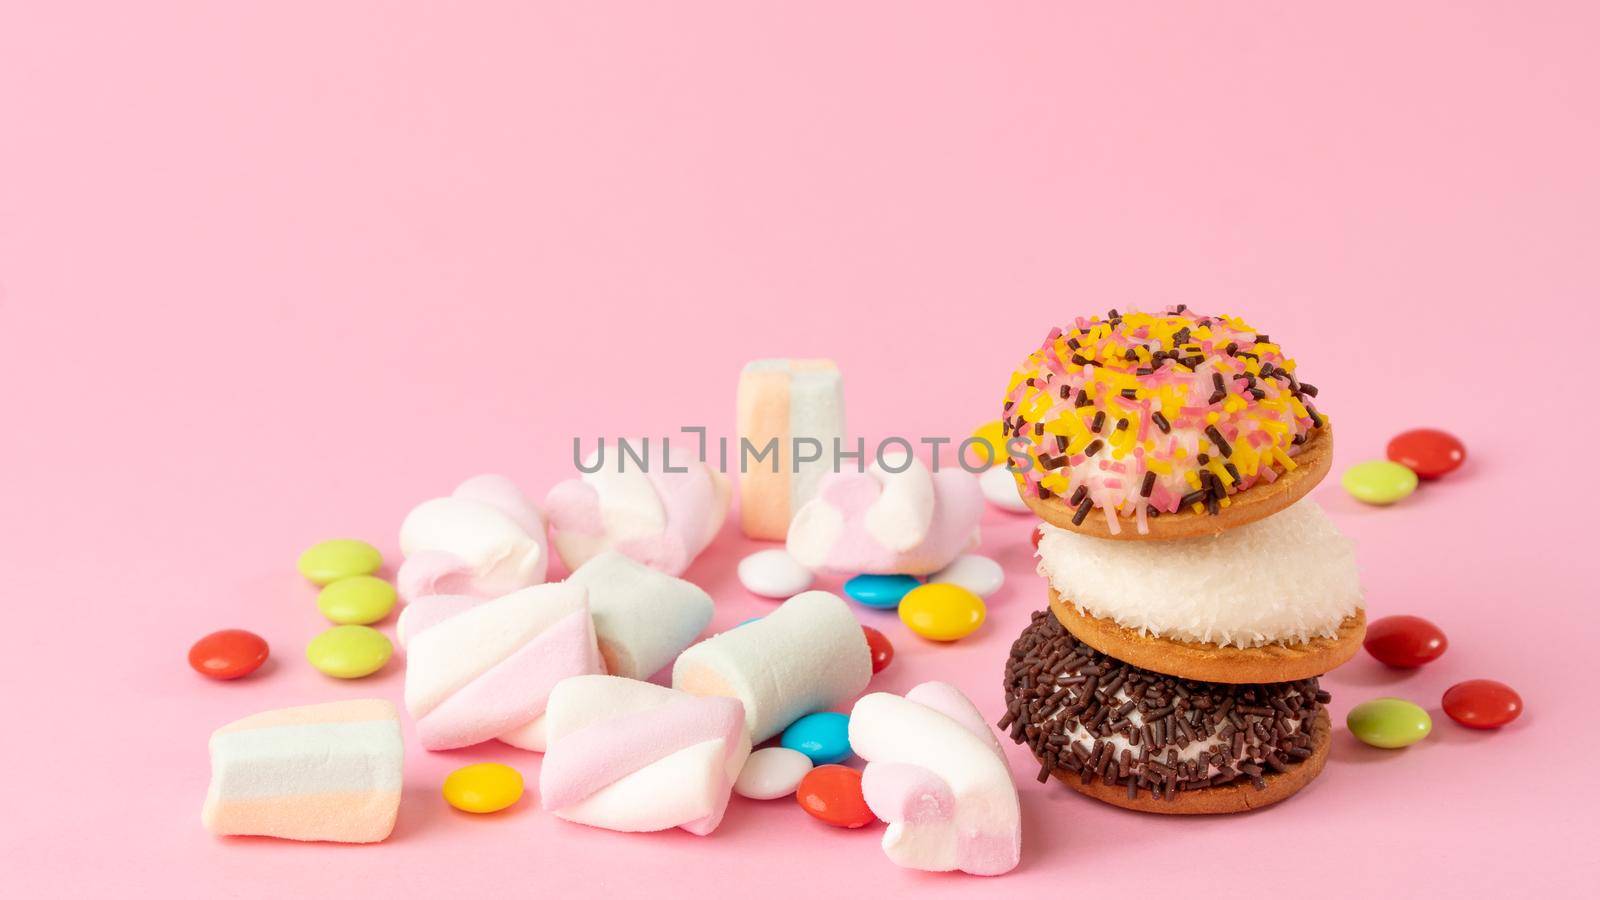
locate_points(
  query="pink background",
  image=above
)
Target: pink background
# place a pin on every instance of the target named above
(274, 274)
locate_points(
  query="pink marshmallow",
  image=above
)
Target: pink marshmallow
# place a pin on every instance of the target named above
(913, 522)
(661, 518)
(482, 669)
(937, 775)
(485, 539)
(633, 756)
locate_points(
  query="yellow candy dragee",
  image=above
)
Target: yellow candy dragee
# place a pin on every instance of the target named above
(483, 788)
(993, 434)
(942, 612)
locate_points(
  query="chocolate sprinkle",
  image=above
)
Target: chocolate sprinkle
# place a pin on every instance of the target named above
(1068, 702)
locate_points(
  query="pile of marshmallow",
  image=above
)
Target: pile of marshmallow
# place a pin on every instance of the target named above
(493, 652)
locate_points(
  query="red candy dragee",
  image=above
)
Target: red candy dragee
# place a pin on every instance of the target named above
(1429, 452)
(882, 650)
(225, 655)
(1405, 642)
(1482, 703)
(832, 793)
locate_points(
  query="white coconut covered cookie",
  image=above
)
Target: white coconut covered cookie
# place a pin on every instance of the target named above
(1287, 579)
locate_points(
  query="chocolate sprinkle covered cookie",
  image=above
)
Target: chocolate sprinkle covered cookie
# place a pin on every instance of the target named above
(1156, 743)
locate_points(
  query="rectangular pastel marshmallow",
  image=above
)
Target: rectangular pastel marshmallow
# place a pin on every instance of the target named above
(329, 772)
(785, 399)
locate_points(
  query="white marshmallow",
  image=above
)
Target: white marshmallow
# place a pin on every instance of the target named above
(486, 671)
(937, 775)
(485, 539)
(643, 618)
(633, 756)
(807, 655)
(329, 772)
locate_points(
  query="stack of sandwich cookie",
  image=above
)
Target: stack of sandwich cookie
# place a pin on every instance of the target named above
(1195, 596)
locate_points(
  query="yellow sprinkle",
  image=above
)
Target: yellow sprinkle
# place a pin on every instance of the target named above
(1284, 459)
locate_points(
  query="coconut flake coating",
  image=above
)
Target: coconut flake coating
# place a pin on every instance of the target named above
(1283, 580)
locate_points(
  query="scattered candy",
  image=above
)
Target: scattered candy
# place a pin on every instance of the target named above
(357, 600)
(329, 772)
(1481, 703)
(349, 651)
(336, 559)
(1389, 723)
(771, 773)
(833, 794)
(942, 612)
(807, 654)
(999, 487)
(483, 788)
(1038, 534)
(910, 521)
(634, 756)
(1429, 452)
(823, 737)
(978, 574)
(747, 621)
(1405, 642)
(1379, 482)
(988, 448)
(773, 573)
(935, 771)
(882, 650)
(783, 401)
(879, 591)
(225, 655)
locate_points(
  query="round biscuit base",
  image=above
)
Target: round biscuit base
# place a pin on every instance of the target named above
(1209, 662)
(1254, 504)
(1228, 798)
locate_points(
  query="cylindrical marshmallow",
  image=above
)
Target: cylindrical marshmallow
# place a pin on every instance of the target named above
(807, 655)
(643, 618)
(633, 756)
(486, 671)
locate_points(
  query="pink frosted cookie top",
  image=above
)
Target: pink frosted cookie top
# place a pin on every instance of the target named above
(1144, 415)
